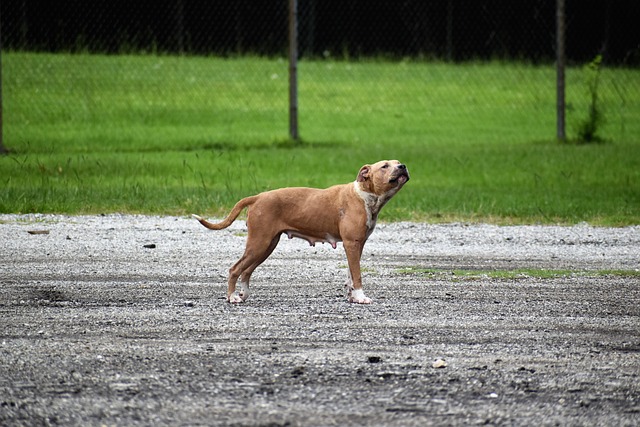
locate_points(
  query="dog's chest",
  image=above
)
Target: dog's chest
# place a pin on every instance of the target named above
(372, 206)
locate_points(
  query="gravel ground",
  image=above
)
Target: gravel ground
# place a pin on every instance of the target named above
(121, 320)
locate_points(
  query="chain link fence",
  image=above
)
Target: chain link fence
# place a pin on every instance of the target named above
(342, 44)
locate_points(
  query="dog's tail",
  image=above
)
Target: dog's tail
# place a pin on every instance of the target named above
(247, 201)
(230, 218)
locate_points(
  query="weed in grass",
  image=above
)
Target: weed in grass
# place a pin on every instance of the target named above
(588, 128)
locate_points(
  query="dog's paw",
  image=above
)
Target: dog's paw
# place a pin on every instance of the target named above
(235, 298)
(244, 291)
(357, 296)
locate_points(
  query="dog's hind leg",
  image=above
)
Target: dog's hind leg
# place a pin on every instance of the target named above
(246, 274)
(255, 254)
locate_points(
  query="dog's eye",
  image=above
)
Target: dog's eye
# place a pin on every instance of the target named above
(386, 165)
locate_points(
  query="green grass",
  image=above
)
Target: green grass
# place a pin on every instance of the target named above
(175, 135)
(536, 273)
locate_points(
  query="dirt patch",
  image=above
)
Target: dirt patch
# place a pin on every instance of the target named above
(99, 329)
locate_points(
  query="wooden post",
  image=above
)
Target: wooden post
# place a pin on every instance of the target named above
(293, 70)
(560, 64)
(2, 149)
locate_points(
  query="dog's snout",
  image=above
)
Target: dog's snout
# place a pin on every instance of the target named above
(402, 167)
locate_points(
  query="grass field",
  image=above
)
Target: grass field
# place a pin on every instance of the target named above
(174, 135)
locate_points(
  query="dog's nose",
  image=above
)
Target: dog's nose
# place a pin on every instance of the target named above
(401, 166)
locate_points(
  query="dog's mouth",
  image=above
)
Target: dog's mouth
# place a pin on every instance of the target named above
(400, 178)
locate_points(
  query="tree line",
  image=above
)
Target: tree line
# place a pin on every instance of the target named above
(456, 30)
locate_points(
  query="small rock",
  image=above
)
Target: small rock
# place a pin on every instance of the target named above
(374, 359)
(297, 372)
(38, 231)
(439, 363)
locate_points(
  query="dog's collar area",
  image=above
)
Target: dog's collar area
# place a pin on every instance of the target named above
(372, 205)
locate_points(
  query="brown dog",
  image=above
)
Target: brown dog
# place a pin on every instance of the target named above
(343, 213)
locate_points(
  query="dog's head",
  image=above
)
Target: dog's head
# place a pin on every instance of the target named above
(385, 177)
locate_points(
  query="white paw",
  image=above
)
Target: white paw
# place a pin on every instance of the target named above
(357, 296)
(235, 298)
(244, 290)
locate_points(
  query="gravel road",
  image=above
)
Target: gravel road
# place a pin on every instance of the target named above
(121, 320)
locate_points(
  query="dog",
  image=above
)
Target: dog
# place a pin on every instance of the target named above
(344, 213)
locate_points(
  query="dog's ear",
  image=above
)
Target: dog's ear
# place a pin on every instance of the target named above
(363, 175)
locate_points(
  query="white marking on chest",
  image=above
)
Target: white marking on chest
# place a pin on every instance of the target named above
(372, 205)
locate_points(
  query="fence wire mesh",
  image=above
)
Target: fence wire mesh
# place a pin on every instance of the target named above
(417, 69)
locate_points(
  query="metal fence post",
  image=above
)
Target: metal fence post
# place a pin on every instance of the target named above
(560, 63)
(293, 69)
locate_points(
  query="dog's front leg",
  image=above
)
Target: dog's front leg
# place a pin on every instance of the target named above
(355, 293)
